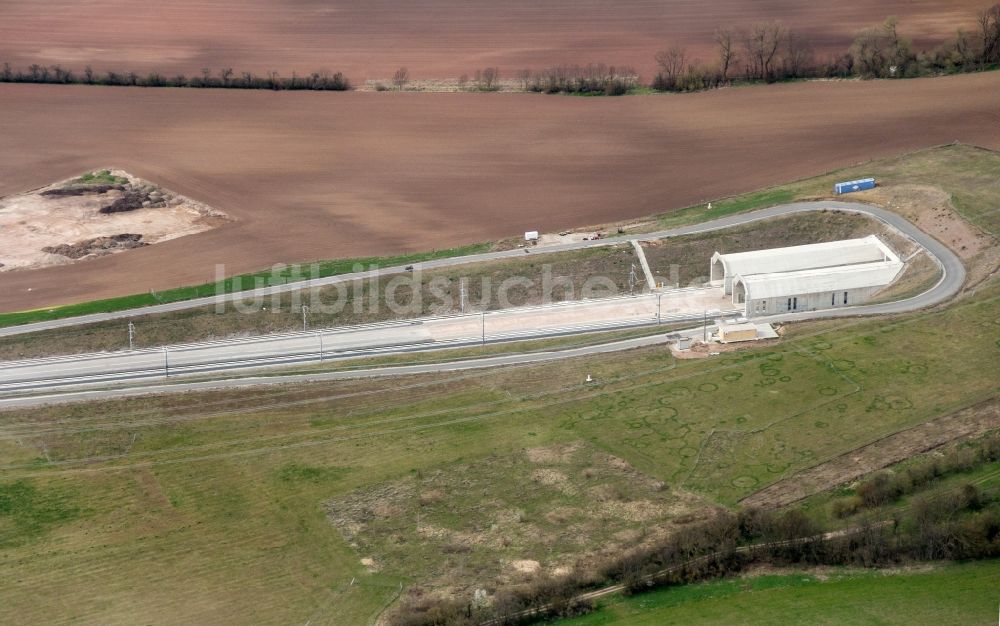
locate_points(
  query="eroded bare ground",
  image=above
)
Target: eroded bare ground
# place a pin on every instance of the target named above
(100, 213)
(507, 519)
(932, 210)
(897, 447)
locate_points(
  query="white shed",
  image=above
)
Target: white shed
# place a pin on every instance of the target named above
(812, 289)
(729, 333)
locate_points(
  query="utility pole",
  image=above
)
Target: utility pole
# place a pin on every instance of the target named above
(131, 335)
(484, 328)
(632, 279)
(461, 295)
(704, 328)
(658, 297)
(166, 363)
(305, 320)
(321, 346)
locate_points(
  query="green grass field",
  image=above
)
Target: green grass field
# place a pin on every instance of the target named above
(967, 593)
(214, 507)
(168, 498)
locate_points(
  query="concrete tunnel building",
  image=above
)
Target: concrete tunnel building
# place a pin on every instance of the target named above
(806, 278)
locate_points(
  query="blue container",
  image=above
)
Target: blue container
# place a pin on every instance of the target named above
(854, 185)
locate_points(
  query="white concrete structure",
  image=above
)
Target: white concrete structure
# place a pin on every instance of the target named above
(828, 254)
(806, 278)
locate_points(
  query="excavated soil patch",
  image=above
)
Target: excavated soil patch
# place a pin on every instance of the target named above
(97, 214)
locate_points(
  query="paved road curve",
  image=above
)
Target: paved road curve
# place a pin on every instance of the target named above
(955, 273)
(429, 333)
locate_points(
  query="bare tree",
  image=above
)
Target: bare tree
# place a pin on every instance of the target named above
(725, 39)
(488, 78)
(989, 33)
(797, 56)
(672, 62)
(962, 54)
(225, 74)
(868, 51)
(525, 77)
(761, 44)
(898, 47)
(401, 77)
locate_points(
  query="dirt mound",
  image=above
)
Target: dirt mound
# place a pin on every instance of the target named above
(97, 245)
(95, 215)
(130, 201)
(80, 190)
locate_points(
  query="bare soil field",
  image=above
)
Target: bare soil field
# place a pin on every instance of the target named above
(107, 212)
(434, 38)
(315, 175)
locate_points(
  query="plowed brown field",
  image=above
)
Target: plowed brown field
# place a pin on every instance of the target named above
(325, 175)
(434, 38)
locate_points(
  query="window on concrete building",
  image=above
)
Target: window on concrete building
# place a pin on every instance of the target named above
(833, 299)
(789, 306)
(795, 303)
(845, 297)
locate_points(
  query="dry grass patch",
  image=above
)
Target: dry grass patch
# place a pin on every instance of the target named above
(502, 519)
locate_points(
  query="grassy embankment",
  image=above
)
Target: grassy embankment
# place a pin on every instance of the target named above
(946, 594)
(265, 278)
(193, 504)
(967, 175)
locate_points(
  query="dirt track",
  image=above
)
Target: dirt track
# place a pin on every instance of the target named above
(897, 447)
(321, 175)
(434, 38)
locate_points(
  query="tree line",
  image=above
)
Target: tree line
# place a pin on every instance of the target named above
(224, 78)
(960, 522)
(764, 52)
(770, 52)
(587, 79)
